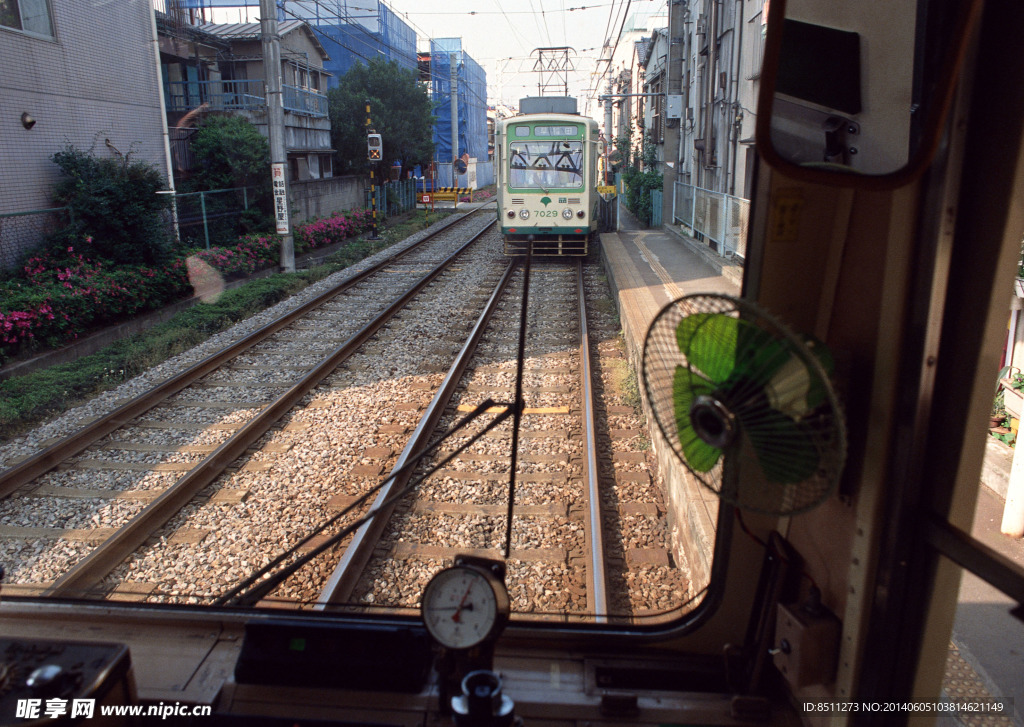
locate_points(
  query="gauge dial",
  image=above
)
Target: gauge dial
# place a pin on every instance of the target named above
(464, 606)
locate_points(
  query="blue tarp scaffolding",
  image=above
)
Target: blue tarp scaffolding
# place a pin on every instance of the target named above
(471, 82)
(351, 31)
(354, 31)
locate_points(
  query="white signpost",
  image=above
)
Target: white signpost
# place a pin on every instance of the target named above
(280, 197)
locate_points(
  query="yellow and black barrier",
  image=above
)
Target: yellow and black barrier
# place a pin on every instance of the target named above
(451, 194)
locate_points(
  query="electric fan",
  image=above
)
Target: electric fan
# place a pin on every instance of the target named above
(745, 404)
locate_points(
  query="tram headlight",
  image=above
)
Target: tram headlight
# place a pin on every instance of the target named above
(524, 214)
(567, 214)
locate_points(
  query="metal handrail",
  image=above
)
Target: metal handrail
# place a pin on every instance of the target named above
(220, 95)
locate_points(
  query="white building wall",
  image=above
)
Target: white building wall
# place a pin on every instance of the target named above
(95, 79)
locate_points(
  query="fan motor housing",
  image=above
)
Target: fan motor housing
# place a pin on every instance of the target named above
(712, 421)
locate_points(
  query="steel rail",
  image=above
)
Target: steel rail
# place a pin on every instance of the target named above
(597, 592)
(47, 459)
(106, 556)
(342, 582)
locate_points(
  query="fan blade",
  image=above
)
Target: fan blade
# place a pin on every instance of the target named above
(709, 342)
(728, 349)
(699, 455)
(795, 389)
(785, 451)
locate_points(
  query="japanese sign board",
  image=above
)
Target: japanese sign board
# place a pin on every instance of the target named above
(277, 172)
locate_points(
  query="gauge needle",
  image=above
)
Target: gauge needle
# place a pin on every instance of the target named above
(456, 617)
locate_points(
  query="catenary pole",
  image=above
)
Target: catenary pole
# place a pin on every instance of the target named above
(455, 116)
(275, 130)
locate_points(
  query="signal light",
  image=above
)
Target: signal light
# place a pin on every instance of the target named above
(374, 147)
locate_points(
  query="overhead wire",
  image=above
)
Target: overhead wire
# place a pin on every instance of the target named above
(343, 11)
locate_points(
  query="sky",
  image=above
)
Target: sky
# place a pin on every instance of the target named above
(501, 35)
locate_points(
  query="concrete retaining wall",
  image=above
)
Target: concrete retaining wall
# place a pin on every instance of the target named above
(692, 509)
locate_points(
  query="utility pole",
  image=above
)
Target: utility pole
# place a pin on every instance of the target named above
(275, 128)
(455, 115)
(609, 135)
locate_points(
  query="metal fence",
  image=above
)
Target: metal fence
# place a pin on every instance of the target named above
(23, 232)
(394, 197)
(303, 101)
(719, 217)
(479, 174)
(240, 95)
(212, 218)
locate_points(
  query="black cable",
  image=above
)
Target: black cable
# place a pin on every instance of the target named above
(518, 419)
(244, 594)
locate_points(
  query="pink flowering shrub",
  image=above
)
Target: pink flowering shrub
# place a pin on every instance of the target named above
(252, 253)
(330, 230)
(61, 294)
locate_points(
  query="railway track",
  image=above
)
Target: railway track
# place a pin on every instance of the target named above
(556, 544)
(571, 478)
(207, 419)
(588, 528)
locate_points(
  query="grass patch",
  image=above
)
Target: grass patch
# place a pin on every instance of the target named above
(26, 401)
(629, 389)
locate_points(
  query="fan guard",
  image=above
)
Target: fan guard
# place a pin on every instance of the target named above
(745, 404)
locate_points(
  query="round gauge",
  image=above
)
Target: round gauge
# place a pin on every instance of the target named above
(465, 606)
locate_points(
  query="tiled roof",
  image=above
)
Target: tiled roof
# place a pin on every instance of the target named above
(253, 31)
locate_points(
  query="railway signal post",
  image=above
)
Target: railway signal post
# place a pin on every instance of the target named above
(374, 154)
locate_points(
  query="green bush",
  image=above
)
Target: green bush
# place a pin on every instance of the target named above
(114, 207)
(640, 184)
(230, 153)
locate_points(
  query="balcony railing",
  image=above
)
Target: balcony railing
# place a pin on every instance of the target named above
(300, 101)
(218, 95)
(240, 96)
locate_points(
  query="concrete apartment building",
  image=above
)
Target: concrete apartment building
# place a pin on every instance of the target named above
(65, 82)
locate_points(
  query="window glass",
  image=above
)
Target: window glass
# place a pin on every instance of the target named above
(32, 16)
(546, 164)
(522, 131)
(569, 131)
(9, 15)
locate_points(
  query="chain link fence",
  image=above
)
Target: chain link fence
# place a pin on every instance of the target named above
(216, 217)
(394, 197)
(719, 217)
(23, 232)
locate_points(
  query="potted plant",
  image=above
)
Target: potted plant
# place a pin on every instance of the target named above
(1013, 393)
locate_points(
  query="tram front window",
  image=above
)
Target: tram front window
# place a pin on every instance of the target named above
(546, 164)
